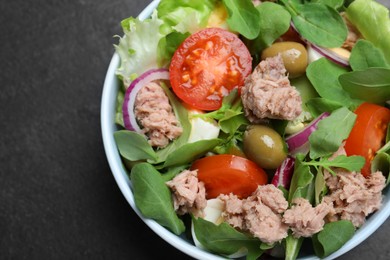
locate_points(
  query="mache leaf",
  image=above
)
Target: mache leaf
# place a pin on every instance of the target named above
(153, 198)
(324, 75)
(133, 146)
(318, 23)
(371, 85)
(365, 55)
(243, 17)
(332, 237)
(224, 239)
(331, 132)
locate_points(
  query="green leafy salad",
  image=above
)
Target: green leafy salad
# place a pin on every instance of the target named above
(257, 127)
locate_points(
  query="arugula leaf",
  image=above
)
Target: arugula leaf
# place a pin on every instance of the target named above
(350, 163)
(134, 146)
(230, 115)
(224, 239)
(153, 198)
(331, 132)
(324, 75)
(332, 237)
(371, 85)
(365, 55)
(243, 17)
(318, 23)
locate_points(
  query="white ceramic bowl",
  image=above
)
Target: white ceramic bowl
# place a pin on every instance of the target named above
(110, 89)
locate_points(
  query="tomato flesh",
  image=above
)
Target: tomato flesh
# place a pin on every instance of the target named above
(225, 174)
(207, 66)
(368, 133)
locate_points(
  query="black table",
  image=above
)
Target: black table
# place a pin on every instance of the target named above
(58, 199)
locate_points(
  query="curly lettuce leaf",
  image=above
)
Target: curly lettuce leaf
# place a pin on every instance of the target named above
(372, 20)
(183, 15)
(138, 47)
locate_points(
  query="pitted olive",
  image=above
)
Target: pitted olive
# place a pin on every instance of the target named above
(264, 146)
(294, 56)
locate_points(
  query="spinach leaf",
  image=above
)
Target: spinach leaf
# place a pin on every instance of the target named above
(332, 237)
(190, 152)
(153, 198)
(318, 23)
(274, 21)
(133, 146)
(224, 239)
(317, 106)
(371, 85)
(324, 75)
(331, 132)
(365, 55)
(243, 17)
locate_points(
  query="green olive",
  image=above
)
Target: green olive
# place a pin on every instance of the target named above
(264, 146)
(294, 56)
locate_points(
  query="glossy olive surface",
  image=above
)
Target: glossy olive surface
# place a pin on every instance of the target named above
(264, 146)
(294, 56)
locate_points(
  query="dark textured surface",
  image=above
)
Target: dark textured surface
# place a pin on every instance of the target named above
(58, 199)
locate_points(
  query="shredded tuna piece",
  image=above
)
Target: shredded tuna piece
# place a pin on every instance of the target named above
(153, 111)
(353, 34)
(259, 213)
(352, 196)
(267, 93)
(189, 194)
(233, 213)
(304, 219)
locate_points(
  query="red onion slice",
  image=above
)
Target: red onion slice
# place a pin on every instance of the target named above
(298, 142)
(284, 173)
(131, 93)
(330, 55)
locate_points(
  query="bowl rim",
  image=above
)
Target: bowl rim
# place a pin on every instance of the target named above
(108, 127)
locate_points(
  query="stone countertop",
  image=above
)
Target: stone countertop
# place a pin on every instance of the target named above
(58, 198)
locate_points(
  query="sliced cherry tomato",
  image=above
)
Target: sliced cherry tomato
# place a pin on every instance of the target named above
(226, 173)
(207, 66)
(368, 133)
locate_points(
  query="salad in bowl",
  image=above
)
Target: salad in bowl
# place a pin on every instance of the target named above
(243, 129)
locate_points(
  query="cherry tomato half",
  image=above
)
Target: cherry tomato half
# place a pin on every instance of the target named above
(226, 173)
(368, 133)
(207, 66)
